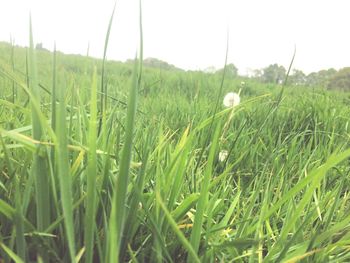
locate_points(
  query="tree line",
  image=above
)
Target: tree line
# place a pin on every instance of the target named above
(276, 74)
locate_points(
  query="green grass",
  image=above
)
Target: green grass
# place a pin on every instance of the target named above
(103, 162)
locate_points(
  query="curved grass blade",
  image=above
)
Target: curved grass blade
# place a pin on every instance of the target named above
(187, 245)
(104, 91)
(9, 252)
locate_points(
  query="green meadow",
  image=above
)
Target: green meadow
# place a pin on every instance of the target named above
(103, 161)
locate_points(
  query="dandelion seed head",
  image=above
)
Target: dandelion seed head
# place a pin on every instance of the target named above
(223, 155)
(231, 99)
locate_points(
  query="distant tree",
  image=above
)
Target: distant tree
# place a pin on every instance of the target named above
(231, 71)
(297, 77)
(39, 46)
(157, 63)
(258, 73)
(274, 74)
(340, 80)
(320, 78)
(210, 69)
(312, 79)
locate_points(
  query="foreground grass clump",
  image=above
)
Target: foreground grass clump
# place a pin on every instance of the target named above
(279, 194)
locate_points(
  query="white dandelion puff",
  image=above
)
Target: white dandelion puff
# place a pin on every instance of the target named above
(223, 155)
(231, 99)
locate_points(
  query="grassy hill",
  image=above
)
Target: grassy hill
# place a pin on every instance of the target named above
(164, 172)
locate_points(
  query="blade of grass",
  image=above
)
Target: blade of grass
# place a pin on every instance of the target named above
(14, 93)
(9, 252)
(39, 162)
(118, 209)
(118, 206)
(20, 241)
(117, 219)
(64, 175)
(104, 91)
(91, 173)
(53, 102)
(203, 198)
(187, 245)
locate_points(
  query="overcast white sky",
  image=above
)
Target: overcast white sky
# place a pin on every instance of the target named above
(191, 34)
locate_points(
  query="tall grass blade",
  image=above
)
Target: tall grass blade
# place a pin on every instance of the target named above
(290, 66)
(14, 91)
(20, 241)
(204, 194)
(117, 219)
(53, 100)
(91, 173)
(104, 91)
(64, 175)
(119, 197)
(39, 162)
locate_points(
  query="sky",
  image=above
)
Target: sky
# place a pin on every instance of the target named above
(190, 34)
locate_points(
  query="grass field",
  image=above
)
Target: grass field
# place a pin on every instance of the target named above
(131, 172)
